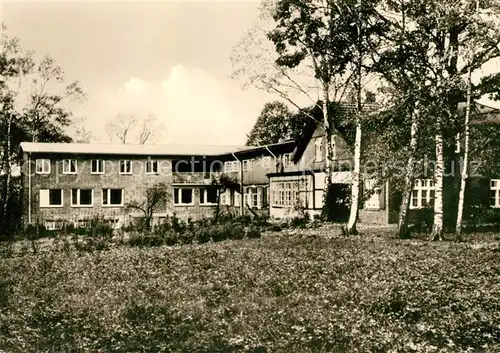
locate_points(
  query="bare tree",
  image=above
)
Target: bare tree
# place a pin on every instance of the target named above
(156, 198)
(128, 128)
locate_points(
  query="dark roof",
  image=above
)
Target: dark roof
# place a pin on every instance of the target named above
(343, 112)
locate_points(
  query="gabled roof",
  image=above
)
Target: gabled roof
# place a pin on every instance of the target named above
(342, 112)
(129, 149)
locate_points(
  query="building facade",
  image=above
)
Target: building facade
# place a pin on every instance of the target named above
(65, 182)
(76, 182)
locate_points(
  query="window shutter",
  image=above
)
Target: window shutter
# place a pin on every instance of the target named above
(44, 197)
(245, 198)
(259, 198)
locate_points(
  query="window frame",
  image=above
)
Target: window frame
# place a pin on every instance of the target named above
(40, 161)
(204, 202)
(318, 146)
(495, 188)
(69, 160)
(420, 186)
(124, 162)
(101, 162)
(48, 205)
(228, 166)
(150, 163)
(108, 197)
(78, 193)
(373, 202)
(179, 197)
(287, 159)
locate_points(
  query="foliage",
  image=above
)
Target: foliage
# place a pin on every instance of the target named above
(275, 122)
(33, 101)
(278, 294)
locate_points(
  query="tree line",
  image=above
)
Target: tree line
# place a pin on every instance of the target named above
(419, 56)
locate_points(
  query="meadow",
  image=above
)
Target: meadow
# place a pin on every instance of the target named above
(289, 291)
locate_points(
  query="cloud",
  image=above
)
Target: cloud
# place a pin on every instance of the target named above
(135, 86)
(192, 105)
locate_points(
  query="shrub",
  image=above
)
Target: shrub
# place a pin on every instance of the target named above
(300, 221)
(201, 234)
(423, 220)
(253, 232)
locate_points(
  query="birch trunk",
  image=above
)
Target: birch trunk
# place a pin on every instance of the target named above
(354, 211)
(409, 179)
(437, 228)
(465, 166)
(8, 172)
(328, 153)
(353, 215)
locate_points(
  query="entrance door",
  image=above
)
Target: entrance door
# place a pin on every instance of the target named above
(338, 202)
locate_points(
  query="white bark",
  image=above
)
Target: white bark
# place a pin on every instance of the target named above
(409, 177)
(8, 169)
(437, 229)
(465, 163)
(354, 211)
(328, 151)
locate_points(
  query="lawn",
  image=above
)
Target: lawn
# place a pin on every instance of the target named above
(281, 293)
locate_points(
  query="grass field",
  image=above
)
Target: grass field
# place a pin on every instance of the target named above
(280, 293)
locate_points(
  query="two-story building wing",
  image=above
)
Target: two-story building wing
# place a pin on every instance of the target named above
(65, 182)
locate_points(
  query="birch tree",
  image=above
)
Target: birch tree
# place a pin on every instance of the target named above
(311, 51)
(438, 28)
(365, 40)
(33, 104)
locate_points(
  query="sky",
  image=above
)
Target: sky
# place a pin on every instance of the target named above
(169, 59)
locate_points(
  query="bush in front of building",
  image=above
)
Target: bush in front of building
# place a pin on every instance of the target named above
(177, 232)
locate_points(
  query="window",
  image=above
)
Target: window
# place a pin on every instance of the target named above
(287, 159)
(51, 198)
(208, 196)
(69, 166)
(42, 166)
(82, 197)
(237, 199)
(97, 166)
(231, 166)
(495, 193)
(224, 198)
(126, 167)
(151, 167)
(373, 200)
(266, 162)
(286, 194)
(183, 196)
(318, 149)
(422, 194)
(253, 197)
(51, 225)
(247, 165)
(112, 197)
